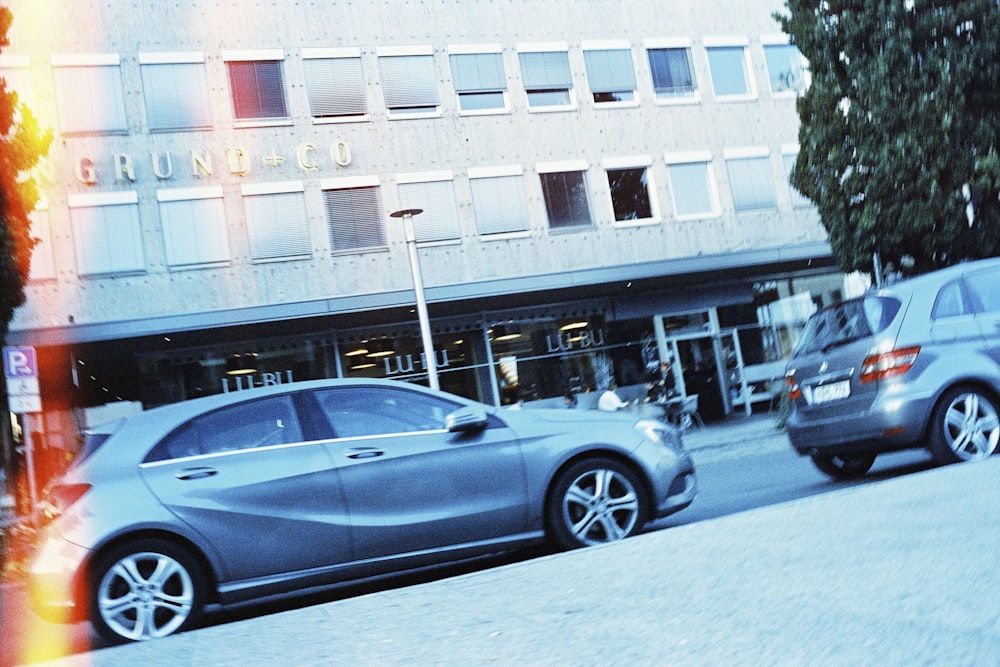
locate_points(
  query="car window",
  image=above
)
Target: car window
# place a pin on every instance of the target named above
(985, 288)
(250, 425)
(848, 321)
(949, 302)
(360, 411)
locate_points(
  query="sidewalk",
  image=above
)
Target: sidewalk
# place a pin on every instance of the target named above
(896, 572)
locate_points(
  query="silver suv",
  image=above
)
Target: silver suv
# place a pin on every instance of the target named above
(916, 364)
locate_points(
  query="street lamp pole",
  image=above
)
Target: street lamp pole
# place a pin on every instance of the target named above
(418, 287)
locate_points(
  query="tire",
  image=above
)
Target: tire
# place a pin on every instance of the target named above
(964, 426)
(596, 501)
(147, 589)
(844, 466)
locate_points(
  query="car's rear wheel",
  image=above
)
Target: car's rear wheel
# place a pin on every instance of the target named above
(964, 426)
(844, 466)
(147, 589)
(595, 501)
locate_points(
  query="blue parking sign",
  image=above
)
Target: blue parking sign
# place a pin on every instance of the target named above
(20, 362)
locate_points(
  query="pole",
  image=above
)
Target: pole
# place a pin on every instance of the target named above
(418, 287)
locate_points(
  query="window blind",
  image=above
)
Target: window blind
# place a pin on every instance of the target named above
(408, 81)
(610, 70)
(277, 225)
(354, 218)
(335, 86)
(478, 72)
(176, 96)
(500, 204)
(545, 70)
(439, 221)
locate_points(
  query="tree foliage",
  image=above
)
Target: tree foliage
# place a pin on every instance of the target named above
(899, 128)
(22, 144)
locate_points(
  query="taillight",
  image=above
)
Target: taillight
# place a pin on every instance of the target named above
(60, 497)
(888, 364)
(794, 391)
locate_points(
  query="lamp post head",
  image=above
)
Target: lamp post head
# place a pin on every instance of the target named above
(406, 212)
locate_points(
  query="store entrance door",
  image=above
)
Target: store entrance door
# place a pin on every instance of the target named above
(700, 366)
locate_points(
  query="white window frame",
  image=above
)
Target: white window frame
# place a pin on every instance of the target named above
(475, 50)
(547, 47)
(782, 40)
(210, 237)
(633, 162)
(431, 92)
(95, 87)
(611, 46)
(128, 237)
(261, 238)
(712, 191)
(258, 56)
(731, 42)
(197, 90)
(354, 183)
(505, 171)
(440, 222)
(567, 167)
(734, 155)
(673, 43)
(342, 54)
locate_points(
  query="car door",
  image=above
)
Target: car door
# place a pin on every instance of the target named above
(245, 478)
(984, 286)
(412, 485)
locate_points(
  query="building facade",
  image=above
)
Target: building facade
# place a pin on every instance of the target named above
(602, 185)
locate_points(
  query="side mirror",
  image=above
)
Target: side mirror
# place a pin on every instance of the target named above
(466, 419)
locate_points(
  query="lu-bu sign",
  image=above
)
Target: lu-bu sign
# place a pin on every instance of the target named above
(239, 161)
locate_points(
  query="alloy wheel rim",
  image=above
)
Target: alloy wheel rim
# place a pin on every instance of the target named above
(971, 427)
(601, 506)
(145, 596)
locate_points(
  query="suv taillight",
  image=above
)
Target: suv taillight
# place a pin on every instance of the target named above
(794, 390)
(880, 366)
(59, 498)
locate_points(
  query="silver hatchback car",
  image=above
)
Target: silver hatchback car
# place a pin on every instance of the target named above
(916, 364)
(229, 498)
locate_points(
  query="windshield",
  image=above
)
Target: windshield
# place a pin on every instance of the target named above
(847, 322)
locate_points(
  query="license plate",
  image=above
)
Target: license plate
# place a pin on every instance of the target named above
(834, 391)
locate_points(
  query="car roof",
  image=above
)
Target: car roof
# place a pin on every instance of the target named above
(940, 276)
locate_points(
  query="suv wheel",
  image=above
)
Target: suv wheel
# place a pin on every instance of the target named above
(844, 466)
(964, 427)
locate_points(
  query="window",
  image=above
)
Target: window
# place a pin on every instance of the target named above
(631, 192)
(257, 85)
(335, 83)
(409, 83)
(175, 88)
(106, 233)
(276, 220)
(367, 411)
(89, 94)
(547, 78)
(692, 185)
(670, 68)
(785, 68)
(498, 200)
(564, 188)
(43, 266)
(194, 226)
(435, 194)
(750, 180)
(730, 71)
(798, 199)
(16, 72)
(353, 213)
(983, 287)
(611, 74)
(480, 81)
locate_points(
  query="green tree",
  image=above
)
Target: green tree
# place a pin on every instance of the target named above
(22, 144)
(899, 128)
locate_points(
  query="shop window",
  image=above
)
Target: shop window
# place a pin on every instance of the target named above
(439, 220)
(785, 68)
(334, 83)
(409, 84)
(106, 234)
(354, 217)
(751, 183)
(89, 95)
(730, 72)
(479, 81)
(277, 223)
(611, 75)
(547, 79)
(258, 88)
(42, 260)
(631, 194)
(693, 189)
(500, 204)
(176, 93)
(566, 198)
(672, 74)
(194, 227)
(798, 199)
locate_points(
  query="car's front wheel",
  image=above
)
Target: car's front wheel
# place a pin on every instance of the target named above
(844, 466)
(147, 589)
(595, 501)
(964, 427)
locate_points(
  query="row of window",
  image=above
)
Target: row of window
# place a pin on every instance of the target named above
(107, 232)
(90, 94)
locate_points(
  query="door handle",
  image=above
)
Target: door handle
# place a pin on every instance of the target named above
(196, 473)
(364, 453)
